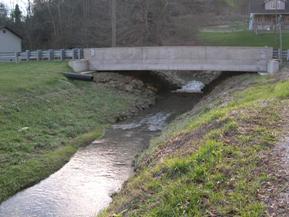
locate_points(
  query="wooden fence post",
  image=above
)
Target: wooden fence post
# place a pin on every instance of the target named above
(39, 55)
(81, 53)
(16, 57)
(27, 55)
(278, 54)
(62, 53)
(74, 53)
(50, 55)
(78, 54)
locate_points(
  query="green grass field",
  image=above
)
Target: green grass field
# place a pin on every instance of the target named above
(44, 118)
(243, 38)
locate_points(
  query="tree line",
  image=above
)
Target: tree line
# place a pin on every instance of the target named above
(89, 23)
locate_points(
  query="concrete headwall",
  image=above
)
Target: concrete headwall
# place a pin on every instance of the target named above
(245, 59)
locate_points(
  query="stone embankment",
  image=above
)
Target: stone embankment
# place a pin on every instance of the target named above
(131, 85)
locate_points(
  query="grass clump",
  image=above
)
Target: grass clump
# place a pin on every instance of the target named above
(44, 118)
(213, 164)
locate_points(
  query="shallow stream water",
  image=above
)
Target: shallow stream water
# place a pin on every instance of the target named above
(83, 187)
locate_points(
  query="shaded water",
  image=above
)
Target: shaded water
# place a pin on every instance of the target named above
(192, 87)
(82, 188)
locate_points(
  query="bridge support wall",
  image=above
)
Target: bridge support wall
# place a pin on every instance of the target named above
(246, 59)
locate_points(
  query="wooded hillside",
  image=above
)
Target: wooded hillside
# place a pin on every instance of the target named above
(87, 23)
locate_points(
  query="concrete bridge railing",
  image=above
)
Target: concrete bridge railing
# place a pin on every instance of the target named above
(244, 59)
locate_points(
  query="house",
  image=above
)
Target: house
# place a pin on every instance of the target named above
(266, 15)
(10, 41)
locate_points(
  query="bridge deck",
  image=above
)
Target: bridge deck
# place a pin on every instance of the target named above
(179, 58)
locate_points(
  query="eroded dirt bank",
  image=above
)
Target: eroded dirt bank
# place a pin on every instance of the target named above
(228, 156)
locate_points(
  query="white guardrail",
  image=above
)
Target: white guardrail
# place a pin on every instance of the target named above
(61, 54)
(278, 54)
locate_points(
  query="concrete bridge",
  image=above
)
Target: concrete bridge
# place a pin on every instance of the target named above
(242, 59)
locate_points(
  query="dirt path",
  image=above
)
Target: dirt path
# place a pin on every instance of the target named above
(278, 202)
(275, 192)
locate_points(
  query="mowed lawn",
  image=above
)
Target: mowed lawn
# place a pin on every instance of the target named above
(243, 38)
(44, 118)
(14, 77)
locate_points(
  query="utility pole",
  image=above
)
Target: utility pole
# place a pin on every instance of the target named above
(278, 26)
(280, 38)
(113, 23)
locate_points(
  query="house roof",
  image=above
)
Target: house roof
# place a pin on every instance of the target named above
(258, 7)
(11, 30)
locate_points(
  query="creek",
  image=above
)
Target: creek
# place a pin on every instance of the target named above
(83, 187)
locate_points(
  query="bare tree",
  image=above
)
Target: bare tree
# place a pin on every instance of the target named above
(102, 23)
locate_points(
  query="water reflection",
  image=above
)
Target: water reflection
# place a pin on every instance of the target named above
(83, 186)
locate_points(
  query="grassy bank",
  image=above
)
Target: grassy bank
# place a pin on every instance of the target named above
(210, 162)
(44, 118)
(243, 38)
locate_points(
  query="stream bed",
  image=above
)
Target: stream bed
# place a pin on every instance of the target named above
(83, 187)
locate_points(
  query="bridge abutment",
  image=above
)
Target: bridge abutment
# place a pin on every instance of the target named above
(273, 66)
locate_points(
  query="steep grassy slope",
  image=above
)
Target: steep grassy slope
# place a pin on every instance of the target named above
(210, 162)
(44, 118)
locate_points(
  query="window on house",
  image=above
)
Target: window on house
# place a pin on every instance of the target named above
(275, 5)
(278, 5)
